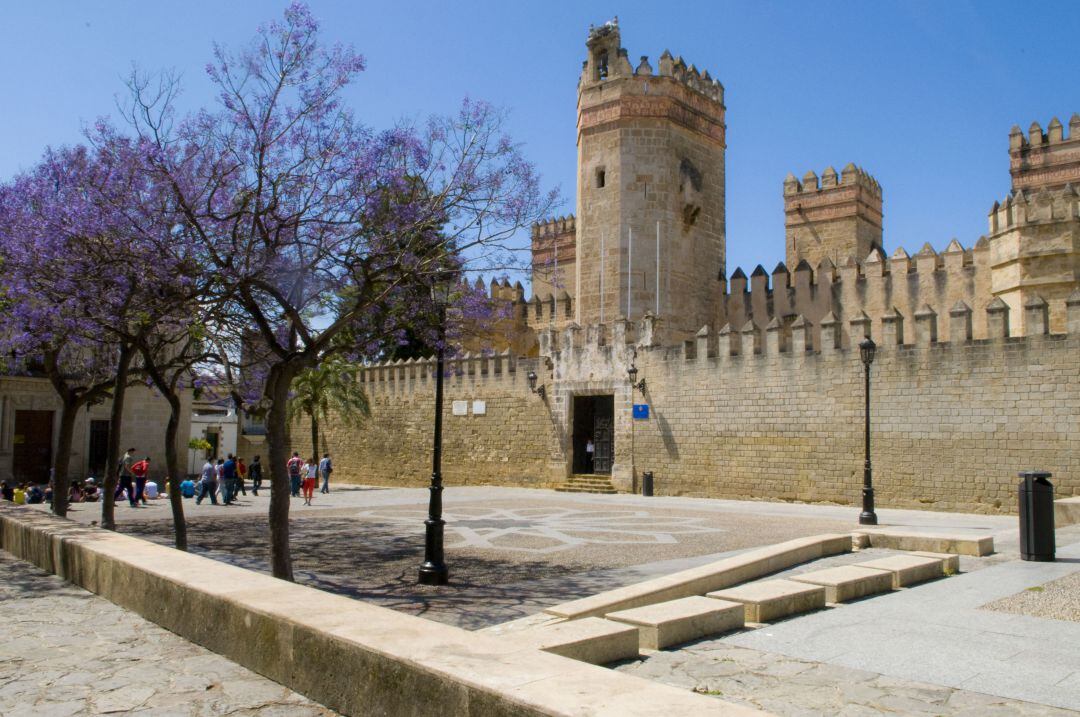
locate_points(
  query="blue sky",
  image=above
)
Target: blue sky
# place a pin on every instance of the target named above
(921, 94)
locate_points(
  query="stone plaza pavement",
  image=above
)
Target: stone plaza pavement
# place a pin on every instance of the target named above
(932, 648)
(68, 652)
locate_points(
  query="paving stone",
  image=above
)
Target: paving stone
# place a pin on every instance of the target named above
(68, 652)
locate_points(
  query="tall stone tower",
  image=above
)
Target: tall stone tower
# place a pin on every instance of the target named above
(1035, 233)
(839, 217)
(651, 168)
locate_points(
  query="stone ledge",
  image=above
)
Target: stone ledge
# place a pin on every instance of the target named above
(704, 579)
(1066, 512)
(959, 543)
(593, 640)
(350, 656)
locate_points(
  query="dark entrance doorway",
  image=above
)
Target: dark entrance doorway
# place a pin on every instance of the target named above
(99, 448)
(32, 454)
(594, 420)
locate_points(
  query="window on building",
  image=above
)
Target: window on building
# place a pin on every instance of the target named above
(600, 178)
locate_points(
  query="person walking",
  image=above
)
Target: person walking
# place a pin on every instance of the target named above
(295, 465)
(311, 476)
(256, 475)
(126, 478)
(241, 474)
(141, 470)
(326, 467)
(228, 479)
(207, 483)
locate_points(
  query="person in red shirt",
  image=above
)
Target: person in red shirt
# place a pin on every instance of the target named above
(241, 476)
(294, 465)
(140, 470)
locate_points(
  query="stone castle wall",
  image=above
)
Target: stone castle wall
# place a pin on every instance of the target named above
(509, 444)
(771, 414)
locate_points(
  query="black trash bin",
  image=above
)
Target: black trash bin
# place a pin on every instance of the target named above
(646, 483)
(1036, 517)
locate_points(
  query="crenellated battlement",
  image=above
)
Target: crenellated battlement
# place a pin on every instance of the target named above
(1045, 160)
(1025, 207)
(405, 376)
(599, 350)
(830, 179)
(833, 217)
(555, 226)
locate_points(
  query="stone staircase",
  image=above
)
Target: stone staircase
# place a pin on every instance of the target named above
(584, 483)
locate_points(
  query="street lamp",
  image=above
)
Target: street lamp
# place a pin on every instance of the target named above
(632, 372)
(541, 392)
(433, 571)
(867, 349)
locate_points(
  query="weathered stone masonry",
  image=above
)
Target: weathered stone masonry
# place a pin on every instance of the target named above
(772, 415)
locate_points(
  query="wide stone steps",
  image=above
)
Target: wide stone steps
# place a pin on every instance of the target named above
(587, 484)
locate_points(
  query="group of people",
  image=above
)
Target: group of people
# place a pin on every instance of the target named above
(31, 493)
(227, 476)
(303, 475)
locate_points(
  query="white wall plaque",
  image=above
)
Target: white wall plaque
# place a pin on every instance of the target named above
(460, 408)
(479, 408)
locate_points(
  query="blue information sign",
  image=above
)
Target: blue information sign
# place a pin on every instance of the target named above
(641, 411)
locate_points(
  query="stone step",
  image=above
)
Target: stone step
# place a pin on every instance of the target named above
(682, 620)
(592, 639)
(571, 489)
(950, 562)
(725, 573)
(961, 543)
(848, 582)
(769, 600)
(907, 569)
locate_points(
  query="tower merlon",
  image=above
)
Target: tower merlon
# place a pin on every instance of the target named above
(1045, 160)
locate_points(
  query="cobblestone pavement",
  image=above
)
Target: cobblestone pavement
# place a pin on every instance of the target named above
(68, 652)
(789, 686)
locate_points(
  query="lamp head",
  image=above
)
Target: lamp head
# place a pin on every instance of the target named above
(632, 372)
(867, 349)
(532, 381)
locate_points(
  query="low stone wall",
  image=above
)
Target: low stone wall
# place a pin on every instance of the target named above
(352, 657)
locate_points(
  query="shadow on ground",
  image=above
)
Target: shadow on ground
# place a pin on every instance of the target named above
(375, 563)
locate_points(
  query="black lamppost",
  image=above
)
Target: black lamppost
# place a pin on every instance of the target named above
(433, 571)
(541, 391)
(868, 517)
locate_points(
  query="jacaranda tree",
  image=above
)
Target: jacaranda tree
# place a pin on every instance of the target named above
(310, 219)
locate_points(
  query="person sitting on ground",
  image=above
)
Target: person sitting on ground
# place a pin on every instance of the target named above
(20, 495)
(150, 490)
(187, 488)
(7, 491)
(75, 494)
(49, 492)
(35, 495)
(90, 490)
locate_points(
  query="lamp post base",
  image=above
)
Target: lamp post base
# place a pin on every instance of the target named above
(433, 574)
(867, 518)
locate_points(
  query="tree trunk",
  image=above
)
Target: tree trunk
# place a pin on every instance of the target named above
(116, 420)
(61, 484)
(314, 437)
(172, 469)
(277, 390)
